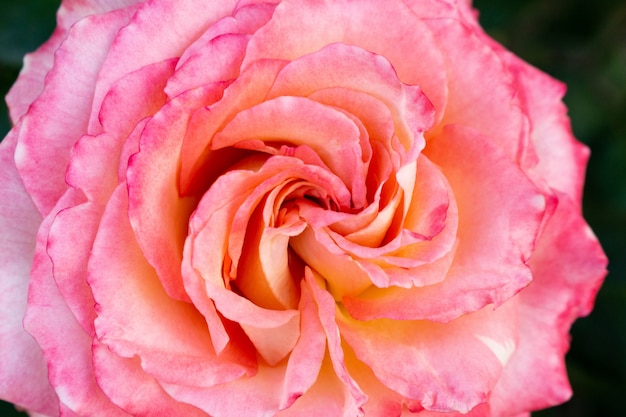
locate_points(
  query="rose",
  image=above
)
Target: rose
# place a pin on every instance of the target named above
(304, 208)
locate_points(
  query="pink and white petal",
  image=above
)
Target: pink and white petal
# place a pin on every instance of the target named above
(72, 232)
(225, 53)
(30, 82)
(568, 267)
(132, 389)
(245, 20)
(65, 345)
(158, 214)
(185, 21)
(59, 116)
(561, 158)
(315, 24)
(136, 95)
(168, 335)
(448, 367)
(481, 90)
(21, 357)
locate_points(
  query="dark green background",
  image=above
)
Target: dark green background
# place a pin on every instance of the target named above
(581, 42)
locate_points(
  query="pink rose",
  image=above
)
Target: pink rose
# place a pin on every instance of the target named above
(288, 208)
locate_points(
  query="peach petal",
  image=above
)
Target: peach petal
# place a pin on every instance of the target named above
(340, 65)
(305, 361)
(314, 24)
(451, 367)
(168, 335)
(496, 235)
(157, 212)
(200, 165)
(381, 401)
(21, 356)
(275, 172)
(53, 118)
(568, 267)
(373, 113)
(354, 398)
(195, 287)
(264, 275)
(327, 397)
(242, 397)
(300, 121)
(342, 273)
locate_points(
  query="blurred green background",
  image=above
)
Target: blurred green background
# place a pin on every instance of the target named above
(580, 42)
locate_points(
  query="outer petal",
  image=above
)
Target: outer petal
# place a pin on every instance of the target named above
(481, 91)
(21, 357)
(561, 158)
(59, 116)
(66, 346)
(185, 21)
(92, 181)
(568, 267)
(30, 82)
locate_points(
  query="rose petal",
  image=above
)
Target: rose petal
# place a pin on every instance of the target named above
(299, 121)
(481, 90)
(313, 24)
(37, 64)
(53, 118)
(120, 377)
(447, 367)
(354, 398)
(497, 228)
(168, 335)
(185, 20)
(66, 346)
(340, 65)
(157, 212)
(568, 267)
(200, 165)
(21, 356)
(561, 158)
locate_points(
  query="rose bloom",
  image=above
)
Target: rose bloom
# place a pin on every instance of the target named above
(288, 208)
